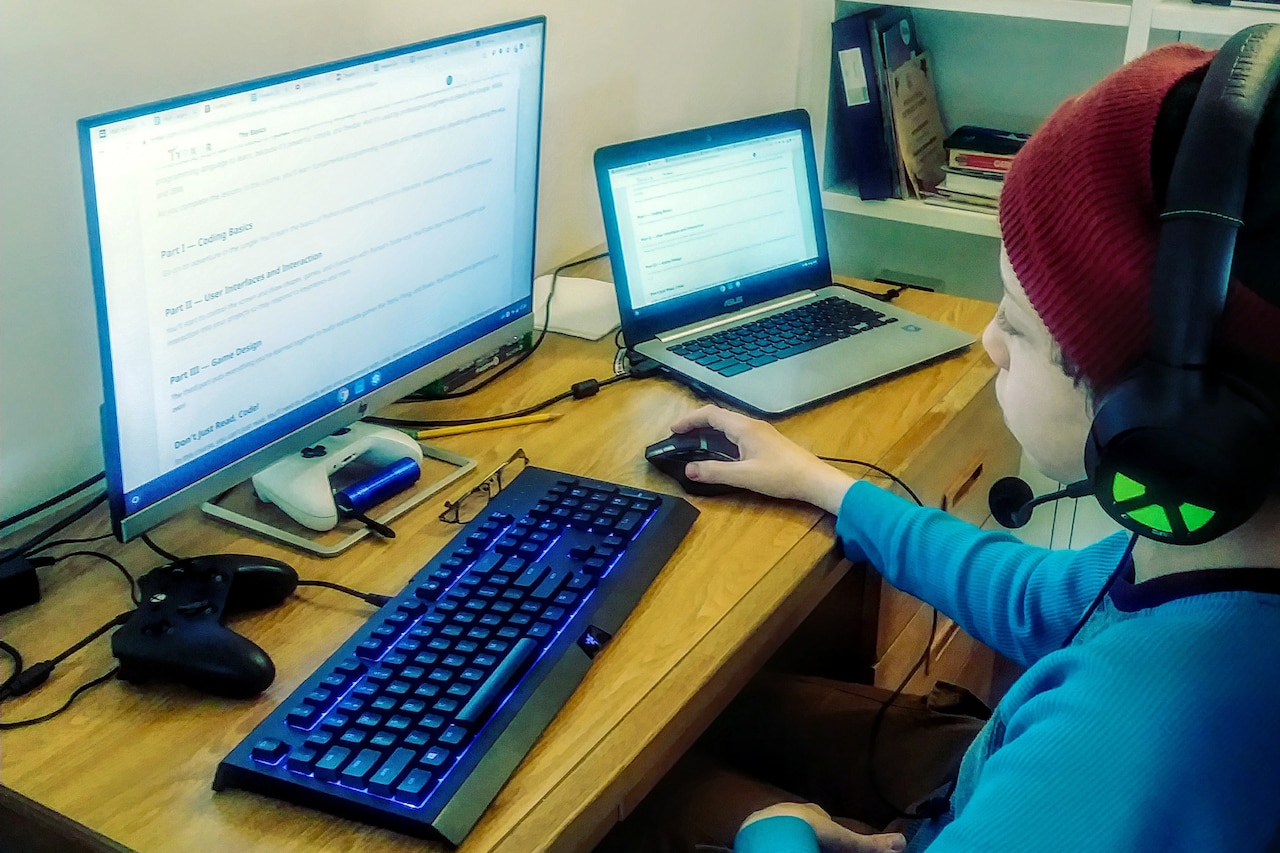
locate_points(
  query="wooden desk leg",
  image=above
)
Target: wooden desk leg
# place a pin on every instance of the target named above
(28, 827)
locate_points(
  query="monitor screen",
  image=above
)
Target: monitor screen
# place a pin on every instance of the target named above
(275, 259)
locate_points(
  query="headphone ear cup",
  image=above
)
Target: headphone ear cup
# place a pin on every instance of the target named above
(1179, 458)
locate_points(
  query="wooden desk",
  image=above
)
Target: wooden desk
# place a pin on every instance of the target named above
(135, 764)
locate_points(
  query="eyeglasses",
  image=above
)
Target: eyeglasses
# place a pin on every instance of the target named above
(468, 506)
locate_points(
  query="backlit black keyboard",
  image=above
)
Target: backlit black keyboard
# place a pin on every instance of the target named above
(780, 336)
(421, 716)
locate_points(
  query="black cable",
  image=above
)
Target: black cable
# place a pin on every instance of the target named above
(29, 678)
(896, 289)
(59, 542)
(56, 499)
(172, 558)
(894, 477)
(16, 656)
(75, 694)
(546, 324)
(133, 584)
(22, 550)
(580, 390)
(878, 719)
(368, 597)
(1106, 587)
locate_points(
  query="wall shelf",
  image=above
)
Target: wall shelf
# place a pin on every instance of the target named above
(1185, 16)
(913, 212)
(1104, 12)
(1000, 63)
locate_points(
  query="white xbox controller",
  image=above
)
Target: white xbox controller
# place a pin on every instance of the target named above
(299, 483)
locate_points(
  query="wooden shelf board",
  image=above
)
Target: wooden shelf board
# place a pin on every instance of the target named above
(1113, 13)
(912, 212)
(1203, 18)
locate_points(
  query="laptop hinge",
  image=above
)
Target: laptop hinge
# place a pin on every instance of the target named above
(735, 318)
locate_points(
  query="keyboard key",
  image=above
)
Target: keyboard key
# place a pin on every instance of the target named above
(301, 760)
(387, 776)
(331, 762)
(302, 716)
(497, 680)
(269, 750)
(360, 768)
(413, 789)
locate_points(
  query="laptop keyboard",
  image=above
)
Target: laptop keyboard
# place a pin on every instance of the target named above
(418, 719)
(773, 338)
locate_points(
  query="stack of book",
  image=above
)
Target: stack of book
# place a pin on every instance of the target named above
(977, 160)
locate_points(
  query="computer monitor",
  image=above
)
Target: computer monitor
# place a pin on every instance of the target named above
(274, 260)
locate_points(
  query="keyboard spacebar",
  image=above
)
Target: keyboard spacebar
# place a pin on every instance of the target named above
(496, 682)
(804, 346)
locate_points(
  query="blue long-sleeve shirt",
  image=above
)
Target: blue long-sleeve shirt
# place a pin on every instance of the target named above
(1157, 728)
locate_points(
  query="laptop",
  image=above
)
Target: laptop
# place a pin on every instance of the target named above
(720, 262)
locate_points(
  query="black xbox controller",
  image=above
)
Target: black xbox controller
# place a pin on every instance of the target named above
(176, 634)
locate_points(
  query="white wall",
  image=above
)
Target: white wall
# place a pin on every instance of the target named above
(615, 70)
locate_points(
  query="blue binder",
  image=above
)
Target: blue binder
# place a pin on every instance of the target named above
(858, 111)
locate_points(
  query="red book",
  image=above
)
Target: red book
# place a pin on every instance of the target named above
(960, 159)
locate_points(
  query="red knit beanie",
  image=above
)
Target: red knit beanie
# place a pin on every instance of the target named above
(1079, 222)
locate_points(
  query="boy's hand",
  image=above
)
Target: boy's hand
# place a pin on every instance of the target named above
(832, 837)
(769, 463)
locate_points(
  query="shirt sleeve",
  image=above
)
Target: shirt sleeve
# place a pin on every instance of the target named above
(1019, 599)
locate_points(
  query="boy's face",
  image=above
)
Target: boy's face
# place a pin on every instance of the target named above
(1043, 408)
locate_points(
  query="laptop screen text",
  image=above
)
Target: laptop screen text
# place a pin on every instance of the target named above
(712, 218)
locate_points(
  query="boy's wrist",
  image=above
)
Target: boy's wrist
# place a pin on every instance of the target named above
(828, 489)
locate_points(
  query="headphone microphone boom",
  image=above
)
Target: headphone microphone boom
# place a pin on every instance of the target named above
(1011, 500)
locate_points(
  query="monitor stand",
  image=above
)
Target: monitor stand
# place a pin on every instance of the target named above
(292, 501)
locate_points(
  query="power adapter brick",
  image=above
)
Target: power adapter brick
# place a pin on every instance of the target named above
(19, 584)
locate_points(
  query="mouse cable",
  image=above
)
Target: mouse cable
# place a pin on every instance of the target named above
(27, 678)
(934, 806)
(579, 390)
(25, 548)
(894, 477)
(56, 499)
(930, 808)
(75, 694)
(546, 324)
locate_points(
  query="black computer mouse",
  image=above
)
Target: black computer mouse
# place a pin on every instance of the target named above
(672, 453)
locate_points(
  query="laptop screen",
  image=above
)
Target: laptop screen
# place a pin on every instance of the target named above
(709, 219)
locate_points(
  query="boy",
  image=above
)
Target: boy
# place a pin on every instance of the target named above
(1147, 716)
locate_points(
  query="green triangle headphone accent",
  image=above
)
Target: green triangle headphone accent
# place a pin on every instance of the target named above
(1126, 494)
(1184, 449)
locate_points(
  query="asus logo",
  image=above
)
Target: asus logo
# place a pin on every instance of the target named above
(729, 303)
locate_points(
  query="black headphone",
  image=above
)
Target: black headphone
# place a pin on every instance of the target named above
(1184, 449)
